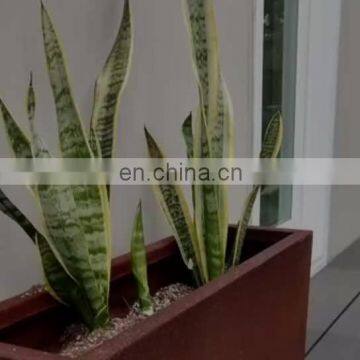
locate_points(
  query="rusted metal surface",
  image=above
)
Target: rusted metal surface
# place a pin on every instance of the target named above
(256, 311)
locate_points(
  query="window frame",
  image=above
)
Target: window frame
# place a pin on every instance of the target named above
(307, 212)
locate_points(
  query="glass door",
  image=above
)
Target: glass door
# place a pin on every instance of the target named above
(280, 24)
(295, 71)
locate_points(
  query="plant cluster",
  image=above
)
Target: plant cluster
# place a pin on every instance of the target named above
(209, 133)
(75, 242)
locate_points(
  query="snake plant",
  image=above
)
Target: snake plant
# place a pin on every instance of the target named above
(202, 235)
(75, 243)
(139, 264)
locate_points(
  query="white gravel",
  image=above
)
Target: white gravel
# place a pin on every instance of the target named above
(78, 340)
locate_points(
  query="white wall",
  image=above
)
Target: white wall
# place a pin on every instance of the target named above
(316, 112)
(160, 93)
(345, 204)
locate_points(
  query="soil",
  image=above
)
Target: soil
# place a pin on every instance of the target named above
(37, 289)
(78, 340)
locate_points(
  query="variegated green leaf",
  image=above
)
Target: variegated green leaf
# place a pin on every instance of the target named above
(175, 208)
(270, 150)
(73, 142)
(19, 142)
(187, 129)
(188, 136)
(139, 264)
(73, 238)
(76, 255)
(90, 201)
(229, 151)
(31, 101)
(200, 19)
(223, 201)
(58, 282)
(189, 141)
(74, 219)
(201, 23)
(56, 278)
(14, 213)
(207, 214)
(273, 138)
(215, 105)
(67, 237)
(229, 125)
(94, 143)
(60, 285)
(96, 149)
(38, 148)
(209, 219)
(243, 225)
(110, 85)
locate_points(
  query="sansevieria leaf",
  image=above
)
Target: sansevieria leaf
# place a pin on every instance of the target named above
(73, 142)
(94, 143)
(201, 23)
(18, 141)
(273, 138)
(187, 130)
(62, 286)
(270, 150)
(215, 105)
(68, 237)
(58, 282)
(76, 247)
(90, 201)
(54, 272)
(139, 264)
(176, 210)
(110, 85)
(243, 225)
(14, 213)
(188, 136)
(93, 212)
(229, 151)
(207, 215)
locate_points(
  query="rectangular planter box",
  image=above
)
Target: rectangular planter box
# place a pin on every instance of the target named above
(257, 311)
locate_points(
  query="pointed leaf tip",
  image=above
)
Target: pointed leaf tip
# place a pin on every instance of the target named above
(42, 5)
(153, 148)
(148, 134)
(149, 138)
(111, 84)
(73, 142)
(146, 130)
(139, 207)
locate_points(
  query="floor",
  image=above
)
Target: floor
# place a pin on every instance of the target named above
(334, 310)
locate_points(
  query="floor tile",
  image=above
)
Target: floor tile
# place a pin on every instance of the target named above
(332, 290)
(342, 342)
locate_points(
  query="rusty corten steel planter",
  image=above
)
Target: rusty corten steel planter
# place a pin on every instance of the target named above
(257, 311)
